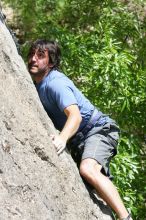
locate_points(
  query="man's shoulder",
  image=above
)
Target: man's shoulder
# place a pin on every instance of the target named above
(57, 79)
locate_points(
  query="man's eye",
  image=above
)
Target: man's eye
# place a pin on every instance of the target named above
(30, 55)
(40, 55)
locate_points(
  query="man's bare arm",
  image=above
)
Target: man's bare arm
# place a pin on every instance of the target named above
(70, 128)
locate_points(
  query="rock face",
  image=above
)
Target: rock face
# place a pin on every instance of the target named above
(35, 184)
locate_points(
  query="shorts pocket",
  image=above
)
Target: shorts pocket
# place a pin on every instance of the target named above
(114, 134)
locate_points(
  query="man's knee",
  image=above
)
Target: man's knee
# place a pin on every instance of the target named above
(88, 167)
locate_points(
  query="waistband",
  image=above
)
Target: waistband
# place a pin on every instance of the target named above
(95, 117)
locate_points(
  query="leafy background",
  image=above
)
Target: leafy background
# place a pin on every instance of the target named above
(104, 51)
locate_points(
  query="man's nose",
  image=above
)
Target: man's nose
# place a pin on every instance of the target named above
(33, 58)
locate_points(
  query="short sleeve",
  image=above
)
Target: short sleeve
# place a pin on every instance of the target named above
(62, 93)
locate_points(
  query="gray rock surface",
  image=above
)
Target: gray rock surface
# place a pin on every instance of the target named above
(35, 184)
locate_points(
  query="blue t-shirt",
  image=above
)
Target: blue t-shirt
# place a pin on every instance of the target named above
(56, 92)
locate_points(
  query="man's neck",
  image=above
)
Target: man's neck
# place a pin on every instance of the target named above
(39, 78)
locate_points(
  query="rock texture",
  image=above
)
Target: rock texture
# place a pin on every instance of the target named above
(35, 184)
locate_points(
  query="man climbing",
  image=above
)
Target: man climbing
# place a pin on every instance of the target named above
(78, 121)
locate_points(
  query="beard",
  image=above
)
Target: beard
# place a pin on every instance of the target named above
(34, 70)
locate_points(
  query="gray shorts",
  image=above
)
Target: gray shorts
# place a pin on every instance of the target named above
(101, 144)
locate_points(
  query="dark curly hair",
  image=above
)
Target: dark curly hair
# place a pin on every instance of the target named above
(53, 49)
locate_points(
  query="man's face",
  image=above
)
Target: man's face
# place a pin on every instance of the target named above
(38, 62)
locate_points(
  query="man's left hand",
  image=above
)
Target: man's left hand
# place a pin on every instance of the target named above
(58, 143)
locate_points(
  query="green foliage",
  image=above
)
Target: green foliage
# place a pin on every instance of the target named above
(104, 49)
(130, 175)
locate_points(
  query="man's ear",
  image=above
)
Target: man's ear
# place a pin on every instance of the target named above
(50, 65)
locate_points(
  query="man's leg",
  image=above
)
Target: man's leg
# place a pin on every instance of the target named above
(90, 170)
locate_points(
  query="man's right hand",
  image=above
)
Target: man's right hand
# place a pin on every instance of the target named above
(58, 143)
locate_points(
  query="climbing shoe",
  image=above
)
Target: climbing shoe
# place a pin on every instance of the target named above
(128, 217)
